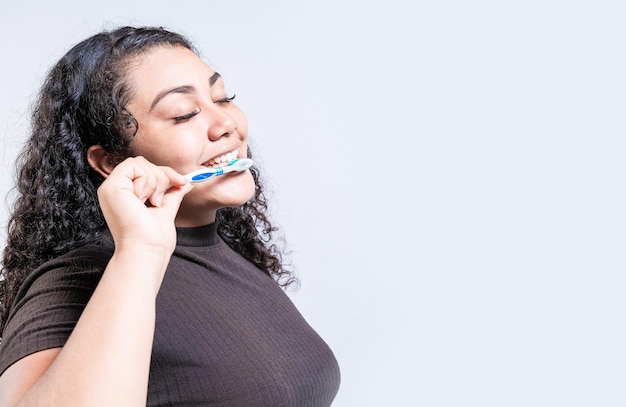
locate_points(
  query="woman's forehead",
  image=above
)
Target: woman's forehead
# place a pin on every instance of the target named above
(168, 68)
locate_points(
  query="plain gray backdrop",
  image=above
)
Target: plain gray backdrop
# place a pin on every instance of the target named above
(448, 174)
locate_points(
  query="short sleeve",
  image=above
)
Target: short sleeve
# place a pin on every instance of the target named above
(49, 303)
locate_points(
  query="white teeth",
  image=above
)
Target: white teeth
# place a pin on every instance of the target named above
(224, 158)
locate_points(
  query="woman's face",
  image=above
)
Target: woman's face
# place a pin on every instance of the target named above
(186, 121)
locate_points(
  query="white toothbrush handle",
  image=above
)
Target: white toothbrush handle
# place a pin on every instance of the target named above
(206, 173)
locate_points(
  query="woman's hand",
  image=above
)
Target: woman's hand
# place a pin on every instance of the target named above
(140, 201)
(106, 360)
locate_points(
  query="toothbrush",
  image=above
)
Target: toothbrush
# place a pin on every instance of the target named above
(203, 174)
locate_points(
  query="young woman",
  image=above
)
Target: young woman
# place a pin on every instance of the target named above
(126, 285)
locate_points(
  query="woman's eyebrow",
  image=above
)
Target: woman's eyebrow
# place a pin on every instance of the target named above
(214, 78)
(179, 89)
(182, 89)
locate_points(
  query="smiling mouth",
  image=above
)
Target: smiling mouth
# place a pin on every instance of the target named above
(222, 160)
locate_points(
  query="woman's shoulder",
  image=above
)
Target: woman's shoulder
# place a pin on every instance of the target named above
(50, 301)
(96, 252)
(82, 265)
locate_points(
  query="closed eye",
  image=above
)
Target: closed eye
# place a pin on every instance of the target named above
(186, 116)
(226, 100)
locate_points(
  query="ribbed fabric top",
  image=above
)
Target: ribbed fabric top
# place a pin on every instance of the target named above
(226, 334)
(204, 236)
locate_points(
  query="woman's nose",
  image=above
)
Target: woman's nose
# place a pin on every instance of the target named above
(221, 125)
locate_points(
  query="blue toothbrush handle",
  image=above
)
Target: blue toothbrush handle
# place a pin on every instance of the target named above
(202, 177)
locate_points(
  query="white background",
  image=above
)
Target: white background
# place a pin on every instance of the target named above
(448, 174)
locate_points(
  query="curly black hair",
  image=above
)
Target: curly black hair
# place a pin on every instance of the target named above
(82, 103)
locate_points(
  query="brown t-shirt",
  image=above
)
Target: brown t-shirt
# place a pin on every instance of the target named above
(226, 334)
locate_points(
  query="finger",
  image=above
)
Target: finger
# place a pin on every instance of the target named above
(160, 184)
(151, 181)
(173, 197)
(176, 179)
(144, 178)
(166, 178)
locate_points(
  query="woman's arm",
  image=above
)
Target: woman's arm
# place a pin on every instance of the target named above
(106, 359)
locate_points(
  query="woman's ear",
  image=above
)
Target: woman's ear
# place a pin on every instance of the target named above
(100, 160)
